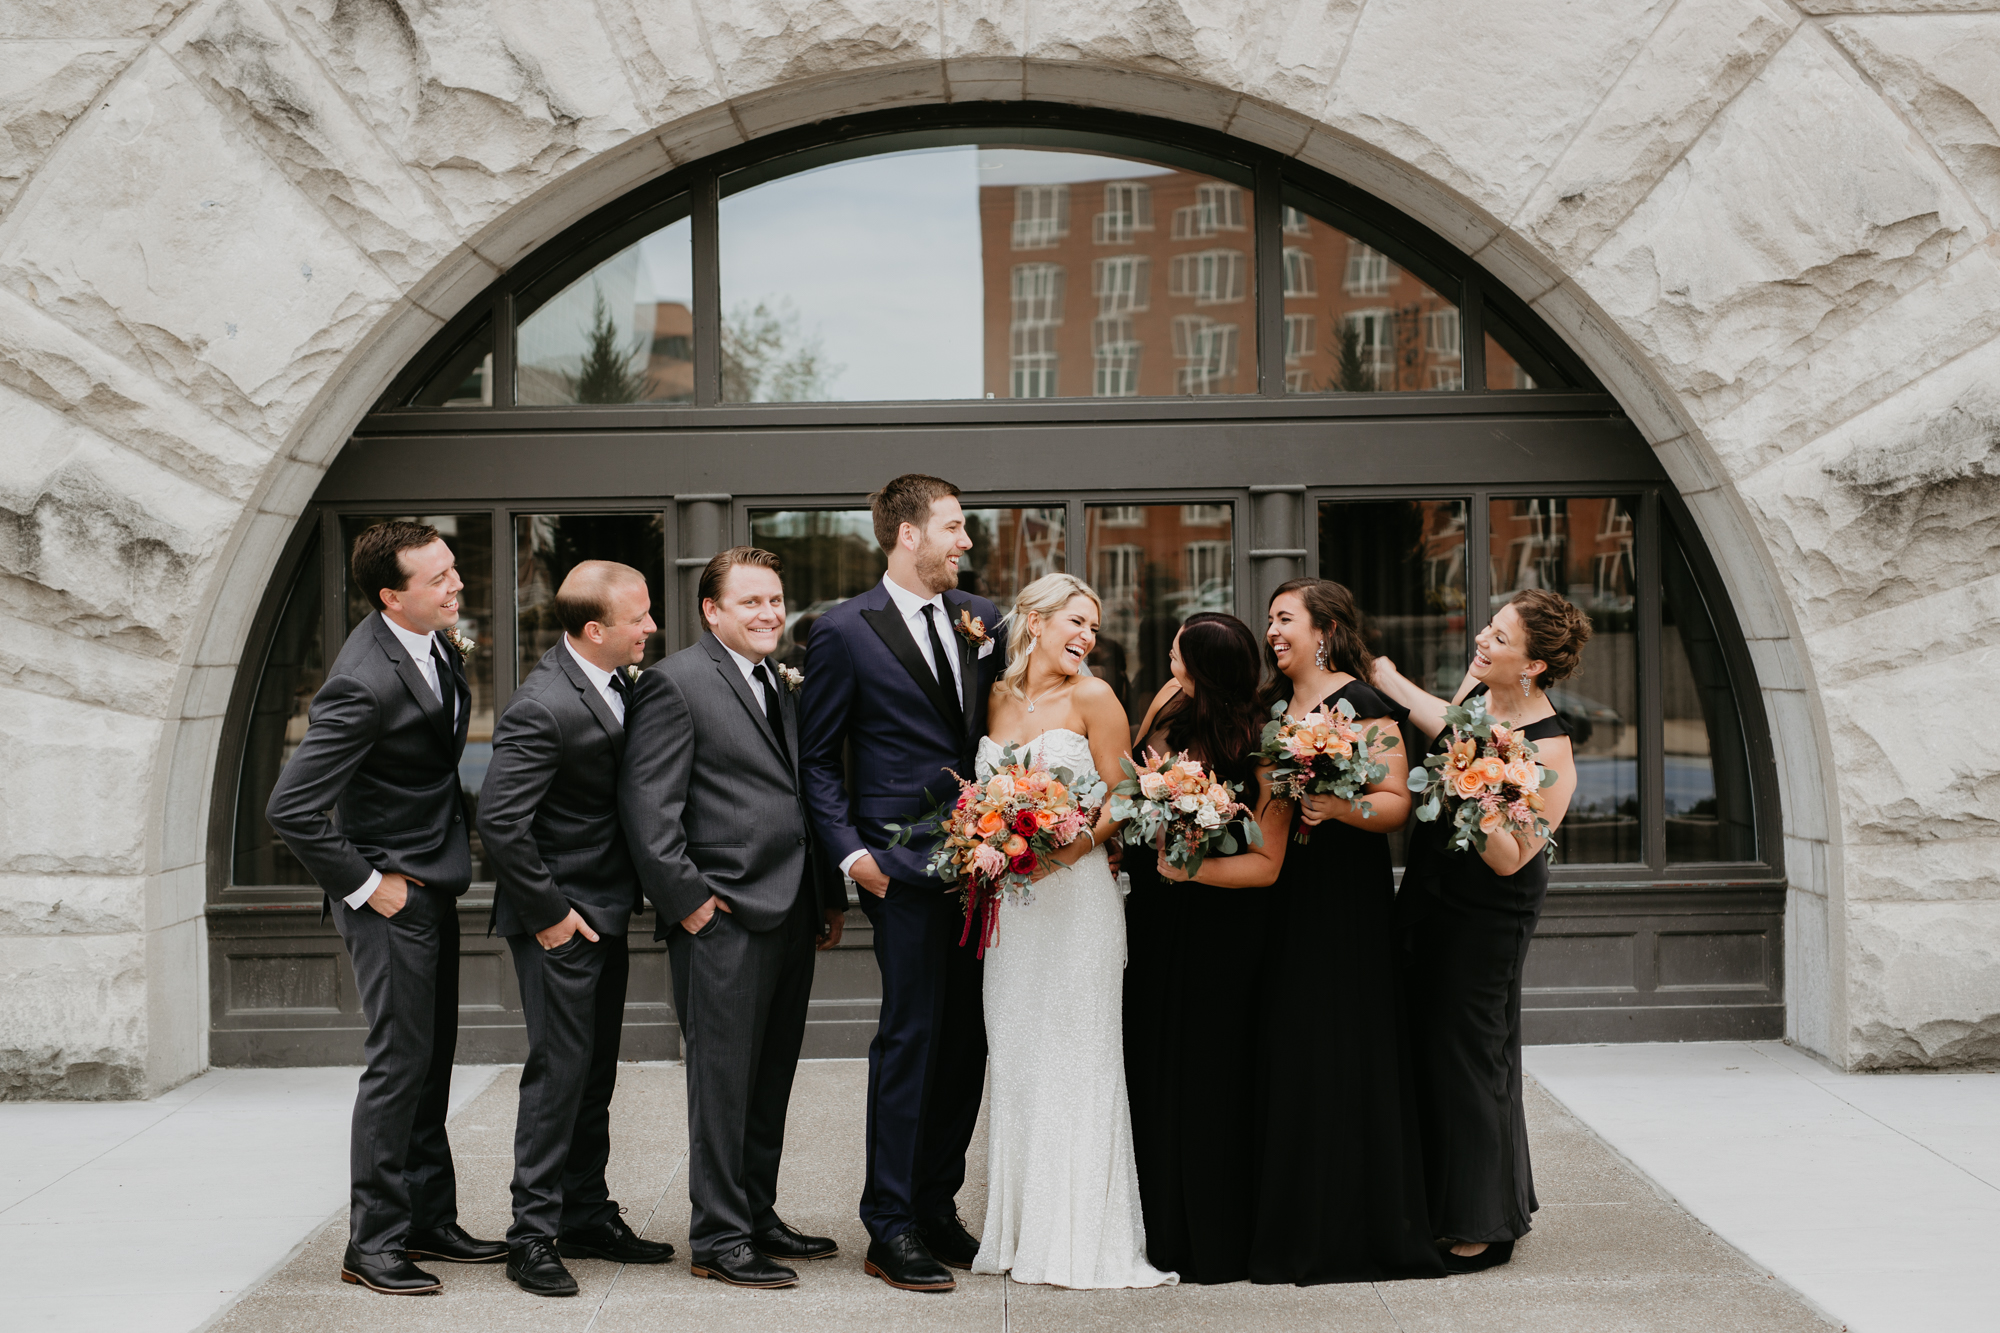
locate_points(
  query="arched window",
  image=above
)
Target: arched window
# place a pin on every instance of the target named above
(1175, 364)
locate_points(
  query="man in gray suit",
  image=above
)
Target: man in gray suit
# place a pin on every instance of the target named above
(713, 810)
(548, 818)
(382, 746)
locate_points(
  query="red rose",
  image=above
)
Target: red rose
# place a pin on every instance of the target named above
(1024, 864)
(1026, 824)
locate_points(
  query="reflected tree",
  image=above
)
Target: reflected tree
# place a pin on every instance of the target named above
(767, 359)
(606, 375)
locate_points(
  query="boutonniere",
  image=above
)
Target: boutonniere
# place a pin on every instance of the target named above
(465, 646)
(631, 674)
(792, 677)
(972, 629)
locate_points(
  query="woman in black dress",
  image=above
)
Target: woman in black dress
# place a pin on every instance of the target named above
(1467, 919)
(1193, 949)
(1341, 1194)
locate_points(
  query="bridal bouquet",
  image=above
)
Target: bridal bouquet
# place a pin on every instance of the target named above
(996, 834)
(1321, 754)
(1176, 796)
(1487, 779)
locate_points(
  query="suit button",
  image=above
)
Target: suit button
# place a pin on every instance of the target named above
(455, 819)
(802, 842)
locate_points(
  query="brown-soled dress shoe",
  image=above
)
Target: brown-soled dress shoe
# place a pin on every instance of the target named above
(948, 1241)
(389, 1272)
(614, 1242)
(742, 1266)
(904, 1263)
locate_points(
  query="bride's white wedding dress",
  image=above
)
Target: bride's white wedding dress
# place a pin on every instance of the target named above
(1062, 1193)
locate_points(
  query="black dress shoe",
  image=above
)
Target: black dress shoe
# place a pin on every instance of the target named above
(744, 1267)
(613, 1241)
(948, 1241)
(788, 1245)
(534, 1267)
(1495, 1254)
(904, 1263)
(450, 1243)
(389, 1272)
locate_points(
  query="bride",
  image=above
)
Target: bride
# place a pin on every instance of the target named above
(1062, 1202)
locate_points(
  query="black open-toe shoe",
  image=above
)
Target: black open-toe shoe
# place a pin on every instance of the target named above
(1495, 1254)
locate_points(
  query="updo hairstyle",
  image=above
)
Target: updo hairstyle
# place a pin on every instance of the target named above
(1045, 596)
(1557, 630)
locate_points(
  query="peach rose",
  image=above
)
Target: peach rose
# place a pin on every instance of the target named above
(1491, 770)
(1523, 775)
(1467, 783)
(1035, 780)
(1014, 846)
(1493, 821)
(991, 822)
(1000, 787)
(1152, 786)
(1057, 792)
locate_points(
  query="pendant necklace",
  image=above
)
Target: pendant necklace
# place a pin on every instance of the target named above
(1043, 695)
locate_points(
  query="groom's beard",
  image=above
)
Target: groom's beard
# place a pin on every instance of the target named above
(934, 568)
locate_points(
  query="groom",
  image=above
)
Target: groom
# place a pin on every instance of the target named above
(898, 678)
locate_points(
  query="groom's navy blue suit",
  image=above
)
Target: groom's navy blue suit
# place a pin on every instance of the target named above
(870, 695)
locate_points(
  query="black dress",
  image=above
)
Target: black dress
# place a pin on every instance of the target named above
(1192, 959)
(1341, 1189)
(1466, 930)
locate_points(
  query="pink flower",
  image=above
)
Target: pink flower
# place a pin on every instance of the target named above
(999, 787)
(1522, 774)
(989, 860)
(1152, 786)
(1519, 812)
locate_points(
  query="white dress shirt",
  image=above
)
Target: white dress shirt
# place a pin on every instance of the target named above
(601, 678)
(419, 648)
(911, 608)
(749, 670)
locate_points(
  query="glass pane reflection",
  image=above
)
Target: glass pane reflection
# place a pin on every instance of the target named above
(1154, 566)
(1710, 812)
(294, 669)
(465, 378)
(621, 333)
(830, 555)
(1582, 548)
(470, 537)
(548, 546)
(1357, 321)
(991, 270)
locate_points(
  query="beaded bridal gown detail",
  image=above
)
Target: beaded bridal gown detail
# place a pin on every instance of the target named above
(1062, 1193)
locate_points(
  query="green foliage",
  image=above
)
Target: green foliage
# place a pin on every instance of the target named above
(767, 359)
(1353, 375)
(606, 375)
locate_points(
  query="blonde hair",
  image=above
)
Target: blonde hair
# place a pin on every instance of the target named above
(1044, 597)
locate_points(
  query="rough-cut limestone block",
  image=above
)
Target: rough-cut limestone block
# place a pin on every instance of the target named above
(92, 670)
(43, 87)
(244, 59)
(487, 99)
(1951, 620)
(1808, 975)
(48, 361)
(1897, 504)
(1896, 6)
(1944, 73)
(1283, 54)
(76, 788)
(1953, 313)
(1922, 988)
(1774, 236)
(86, 18)
(666, 53)
(1702, 54)
(1958, 869)
(1485, 97)
(71, 904)
(72, 1016)
(760, 44)
(96, 541)
(1899, 744)
(217, 275)
(976, 31)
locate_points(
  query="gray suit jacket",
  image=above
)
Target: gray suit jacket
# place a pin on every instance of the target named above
(548, 814)
(381, 750)
(708, 800)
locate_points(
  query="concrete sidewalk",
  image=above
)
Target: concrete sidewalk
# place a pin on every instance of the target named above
(1875, 1195)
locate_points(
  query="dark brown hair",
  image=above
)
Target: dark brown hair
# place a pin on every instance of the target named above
(907, 499)
(1222, 721)
(376, 561)
(716, 572)
(1334, 613)
(1557, 630)
(585, 594)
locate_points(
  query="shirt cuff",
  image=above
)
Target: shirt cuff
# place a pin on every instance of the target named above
(847, 862)
(365, 892)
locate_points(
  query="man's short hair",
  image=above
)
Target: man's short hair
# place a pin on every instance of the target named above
(907, 499)
(376, 561)
(716, 572)
(585, 594)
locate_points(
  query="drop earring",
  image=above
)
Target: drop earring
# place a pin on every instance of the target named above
(1525, 694)
(1319, 658)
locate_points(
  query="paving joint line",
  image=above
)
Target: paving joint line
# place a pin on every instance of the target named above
(1386, 1307)
(661, 1198)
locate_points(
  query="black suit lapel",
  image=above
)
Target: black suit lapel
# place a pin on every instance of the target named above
(887, 622)
(788, 704)
(413, 679)
(726, 664)
(593, 699)
(462, 715)
(968, 665)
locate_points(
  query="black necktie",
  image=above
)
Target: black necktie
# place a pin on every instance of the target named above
(621, 683)
(939, 661)
(771, 711)
(447, 683)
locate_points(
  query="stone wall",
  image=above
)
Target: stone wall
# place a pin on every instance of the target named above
(224, 225)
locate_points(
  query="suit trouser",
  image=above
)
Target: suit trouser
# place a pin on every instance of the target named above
(406, 968)
(573, 1001)
(927, 1064)
(741, 996)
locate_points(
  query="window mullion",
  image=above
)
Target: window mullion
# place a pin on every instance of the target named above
(1269, 252)
(1652, 705)
(707, 291)
(1472, 329)
(1478, 567)
(503, 347)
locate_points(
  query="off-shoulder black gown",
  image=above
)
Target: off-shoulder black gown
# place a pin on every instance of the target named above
(1192, 960)
(1341, 1172)
(1466, 931)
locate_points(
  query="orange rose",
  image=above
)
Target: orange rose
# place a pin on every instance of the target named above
(1014, 846)
(1036, 780)
(1523, 775)
(991, 822)
(1467, 783)
(1491, 770)
(1493, 821)
(1057, 792)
